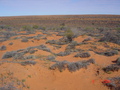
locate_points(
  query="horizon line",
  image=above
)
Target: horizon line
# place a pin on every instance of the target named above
(59, 15)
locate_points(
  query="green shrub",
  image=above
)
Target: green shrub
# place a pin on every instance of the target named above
(118, 28)
(62, 26)
(27, 28)
(35, 27)
(89, 28)
(69, 34)
(44, 28)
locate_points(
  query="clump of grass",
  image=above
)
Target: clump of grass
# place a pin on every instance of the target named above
(23, 80)
(29, 76)
(28, 87)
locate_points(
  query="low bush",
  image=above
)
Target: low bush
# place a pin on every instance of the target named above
(83, 55)
(111, 53)
(11, 43)
(63, 53)
(60, 34)
(18, 55)
(51, 58)
(111, 37)
(28, 63)
(24, 40)
(9, 87)
(9, 54)
(59, 65)
(69, 34)
(56, 46)
(40, 35)
(118, 61)
(3, 47)
(32, 51)
(37, 38)
(51, 41)
(29, 57)
(27, 28)
(56, 42)
(71, 66)
(113, 67)
(35, 27)
(108, 53)
(87, 39)
(44, 48)
(64, 39)
(91, 61)
(114, 83)
(72, 45)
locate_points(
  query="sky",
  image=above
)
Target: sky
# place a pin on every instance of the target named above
(58, 7)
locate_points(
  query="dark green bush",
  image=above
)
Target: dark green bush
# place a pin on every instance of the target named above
(69, 34)
(35, 27)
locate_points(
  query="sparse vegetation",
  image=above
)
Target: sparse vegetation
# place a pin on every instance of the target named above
(59, 43)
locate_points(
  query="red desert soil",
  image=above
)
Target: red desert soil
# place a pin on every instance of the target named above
(40, 77)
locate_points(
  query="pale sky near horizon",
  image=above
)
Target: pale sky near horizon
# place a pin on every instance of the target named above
(58, 7)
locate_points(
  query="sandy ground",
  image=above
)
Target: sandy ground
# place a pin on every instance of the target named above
(40, 77)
